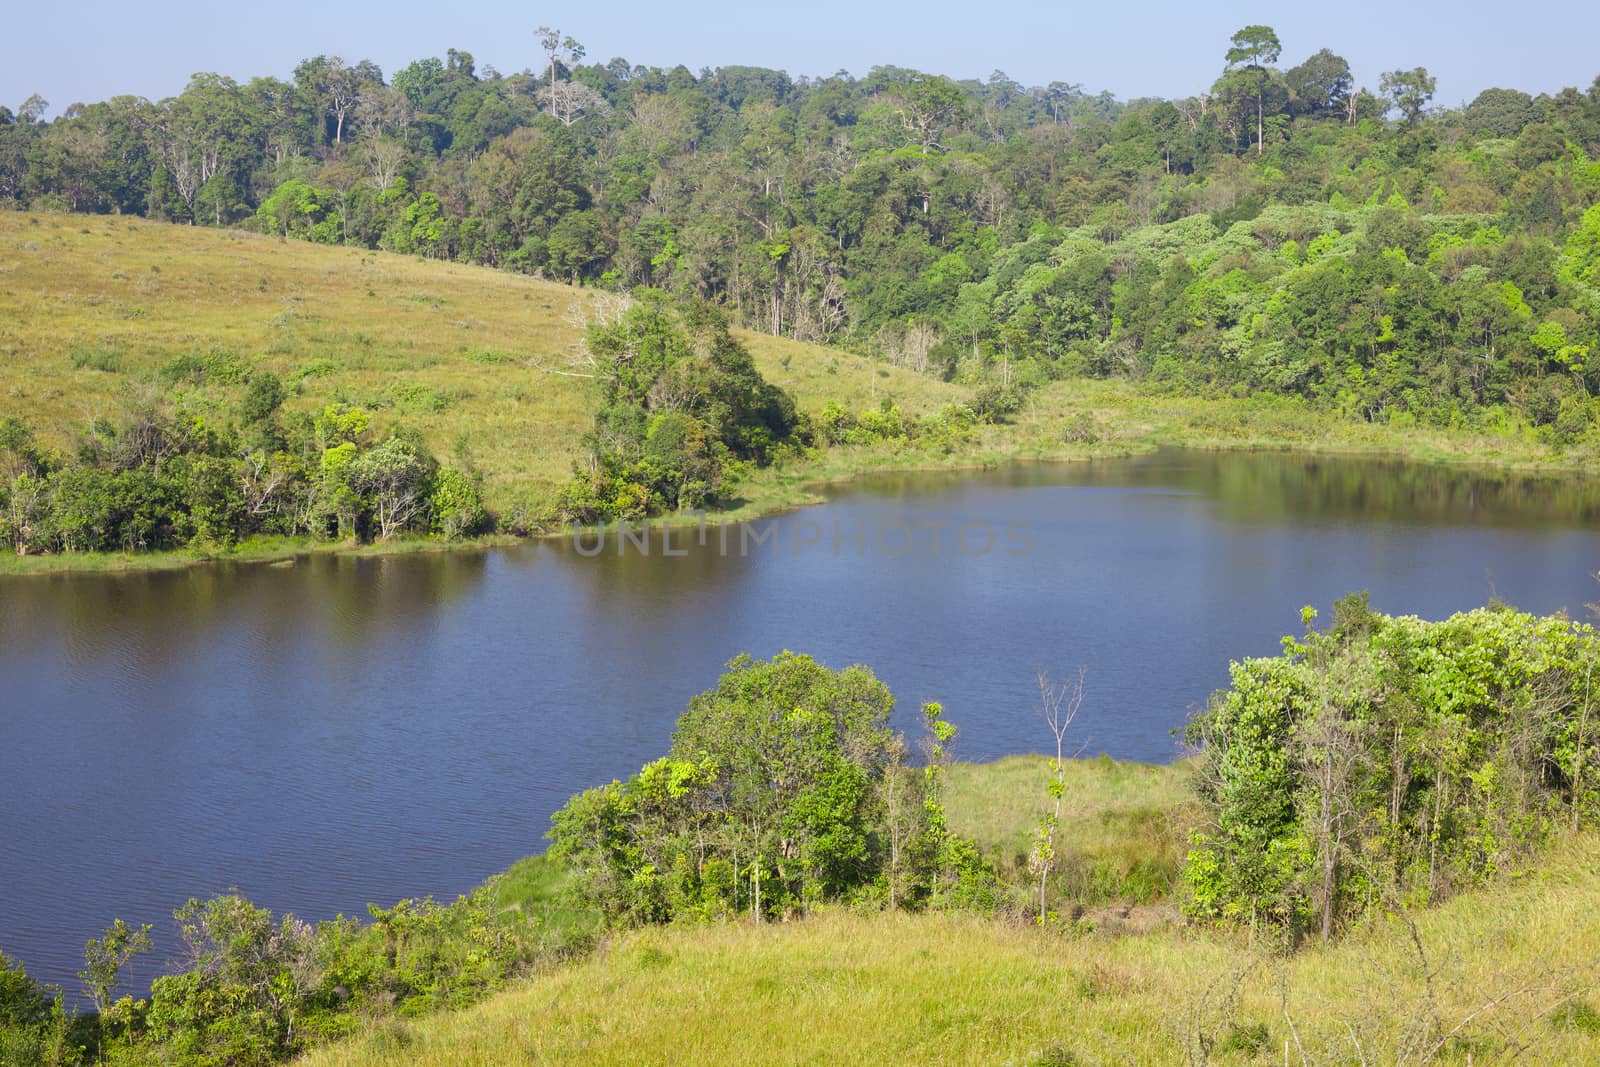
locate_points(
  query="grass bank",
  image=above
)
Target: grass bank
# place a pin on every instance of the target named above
(1500, 974)
(267, 551)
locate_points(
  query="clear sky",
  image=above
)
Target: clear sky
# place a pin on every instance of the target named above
(95, 49)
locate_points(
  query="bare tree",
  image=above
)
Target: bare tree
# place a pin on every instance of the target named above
(384, 157)
(570, 101)
(263, 479)
(1059, 703)
(1333, 754)
(382, 111)
(565, 103)
(343, 87)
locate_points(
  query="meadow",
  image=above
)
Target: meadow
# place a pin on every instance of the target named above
(91, 308)
(1497, 975)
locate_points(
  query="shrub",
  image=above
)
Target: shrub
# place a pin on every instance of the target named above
(1390, 758)
(456, 504)
(783, 787)
(107, 360)
(219, 366)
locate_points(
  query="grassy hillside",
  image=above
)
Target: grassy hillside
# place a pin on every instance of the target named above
(1506, 973)
(91, 307)
(956, 989)
(488, 364)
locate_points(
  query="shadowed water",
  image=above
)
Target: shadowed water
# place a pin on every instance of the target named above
(349, 730)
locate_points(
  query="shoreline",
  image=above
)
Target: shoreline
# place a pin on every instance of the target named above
(774, 492)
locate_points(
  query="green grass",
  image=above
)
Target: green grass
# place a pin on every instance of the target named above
(279, 551)
(539, 890)
(1122, 836)
(1507, 973)
(92, 308)
(1121, 413)
(1501, 969)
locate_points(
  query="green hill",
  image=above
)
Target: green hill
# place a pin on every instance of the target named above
(92, 307)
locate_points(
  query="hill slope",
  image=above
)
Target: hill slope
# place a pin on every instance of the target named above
(91, 307)
(1504, 972)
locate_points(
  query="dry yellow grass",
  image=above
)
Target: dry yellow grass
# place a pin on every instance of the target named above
(335, 323)
(1506, 974)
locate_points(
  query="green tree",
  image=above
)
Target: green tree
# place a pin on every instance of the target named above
(1409, 91)
(1500, 113)
(106, 956)
(768, 800)
(1321, 85)
(394, 479)
(1255, 49)
(1388, 759)
(247, 989)
(577, 245)
(455, 504)
(928, 105)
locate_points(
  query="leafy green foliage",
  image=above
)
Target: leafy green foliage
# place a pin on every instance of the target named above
(33, 1025)
(204, 469)
(256, 989)
(783, 788)
(1388, 760)
(681, 402)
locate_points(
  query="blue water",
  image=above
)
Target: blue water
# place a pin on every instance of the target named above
(342, 731)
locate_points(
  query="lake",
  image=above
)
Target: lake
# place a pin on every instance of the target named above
(346, 730)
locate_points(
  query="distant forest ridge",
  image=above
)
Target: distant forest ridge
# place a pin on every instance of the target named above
(1282, 230)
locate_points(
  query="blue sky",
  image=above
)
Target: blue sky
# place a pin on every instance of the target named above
(95, 49)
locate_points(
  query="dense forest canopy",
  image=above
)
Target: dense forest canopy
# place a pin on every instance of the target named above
(1282, 229)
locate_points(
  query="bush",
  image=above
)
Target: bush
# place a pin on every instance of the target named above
(456, 504)
(993, 402)
(216, 367)
(1390, 758)
(107, 360)
(783, 788)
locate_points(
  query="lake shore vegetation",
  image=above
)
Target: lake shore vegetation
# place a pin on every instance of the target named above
(1359, 812)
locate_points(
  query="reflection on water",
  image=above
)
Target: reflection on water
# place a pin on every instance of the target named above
(348, 729)
(1266, 487)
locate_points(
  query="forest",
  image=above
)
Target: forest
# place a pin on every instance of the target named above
(1283, 230)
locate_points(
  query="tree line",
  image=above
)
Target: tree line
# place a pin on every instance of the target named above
(215, 460)
(1282, 230)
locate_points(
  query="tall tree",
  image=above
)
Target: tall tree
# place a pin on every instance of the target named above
(927, 104)
(335, 87)
(1408, 90)
(1255, 48)
(1321, 85)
